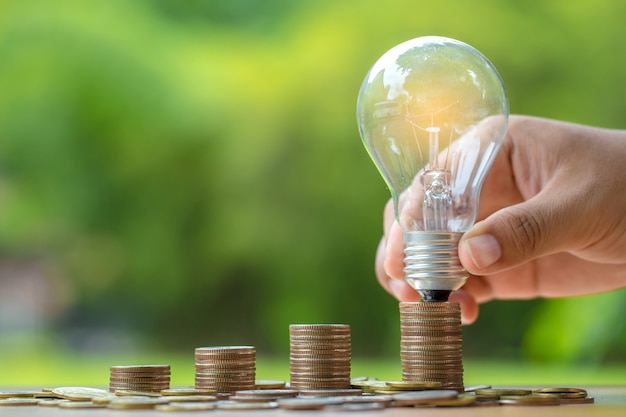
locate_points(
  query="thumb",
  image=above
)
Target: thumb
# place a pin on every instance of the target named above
(516, 234)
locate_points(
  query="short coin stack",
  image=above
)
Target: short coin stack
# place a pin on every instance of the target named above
(146, 378)
(319, 356)
(431, 343)
(225, 369)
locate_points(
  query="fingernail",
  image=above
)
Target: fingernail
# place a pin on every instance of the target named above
(484, 250)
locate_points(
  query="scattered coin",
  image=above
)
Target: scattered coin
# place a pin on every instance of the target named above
(235, 405)
(356, 407)
(528, 400)
(191, 398)
(132, 393)
(412, 385)
(330, 392)
(269, 384)
(23, 394)
(18, 401)
(125, 403)
(307, 403)
(462, 400)
(502, 391)
(50, 402)
(586, 400)
(186, 406)
(187, 391)
(563, 392)
(80, 404)
(80, 393)
(412, 398)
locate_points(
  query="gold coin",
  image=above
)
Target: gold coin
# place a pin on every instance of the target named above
(563, 392)
(585, 400)
(528, 400)
(462, 400)
(412, 385)
(502, 391)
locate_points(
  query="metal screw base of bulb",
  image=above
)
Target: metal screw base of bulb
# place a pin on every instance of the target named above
(432, 265)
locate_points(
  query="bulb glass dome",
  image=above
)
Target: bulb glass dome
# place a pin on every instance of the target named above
(432, 113)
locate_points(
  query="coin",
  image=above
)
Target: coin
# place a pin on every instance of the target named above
(269, 384)
(563, 392)
(51, 402)
(235, 405)
(422, 397)
(528, 400)
(19, 401)
(80, 404)
(306, 403)
(186, 406)
(585, 400)
(330, 392)
(80, 393)
(135, 402)
(142, 369)
(267, 393)
(132, 393)
(502, 391)
(23, 394)
(462, 400)
(191, 398)
(187, 391)
(412, 385)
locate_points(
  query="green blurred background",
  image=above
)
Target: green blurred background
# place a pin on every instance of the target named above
(176, 174)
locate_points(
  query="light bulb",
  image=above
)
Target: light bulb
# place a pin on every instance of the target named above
(432, 113)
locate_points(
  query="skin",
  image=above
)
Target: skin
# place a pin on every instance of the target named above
(551, 223)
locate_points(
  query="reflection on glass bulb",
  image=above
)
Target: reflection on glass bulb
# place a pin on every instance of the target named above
(432, 113)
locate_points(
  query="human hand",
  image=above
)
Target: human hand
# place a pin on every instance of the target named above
(552, 219)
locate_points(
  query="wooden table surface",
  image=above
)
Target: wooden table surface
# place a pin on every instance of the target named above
(610, 402)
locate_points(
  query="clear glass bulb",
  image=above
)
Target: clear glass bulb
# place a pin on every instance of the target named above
(432, 113)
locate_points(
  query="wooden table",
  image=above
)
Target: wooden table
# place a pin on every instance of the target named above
(610, 402)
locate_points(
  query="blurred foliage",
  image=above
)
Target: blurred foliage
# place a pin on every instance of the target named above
(193, 170)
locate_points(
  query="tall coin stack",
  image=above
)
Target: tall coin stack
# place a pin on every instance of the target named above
(146, 378)
(225, 368)
(431, 343)
(319, 356)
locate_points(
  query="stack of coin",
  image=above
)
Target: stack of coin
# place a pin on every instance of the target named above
(225, 369)
(319, 356)
(431, 343)
(146, 378)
